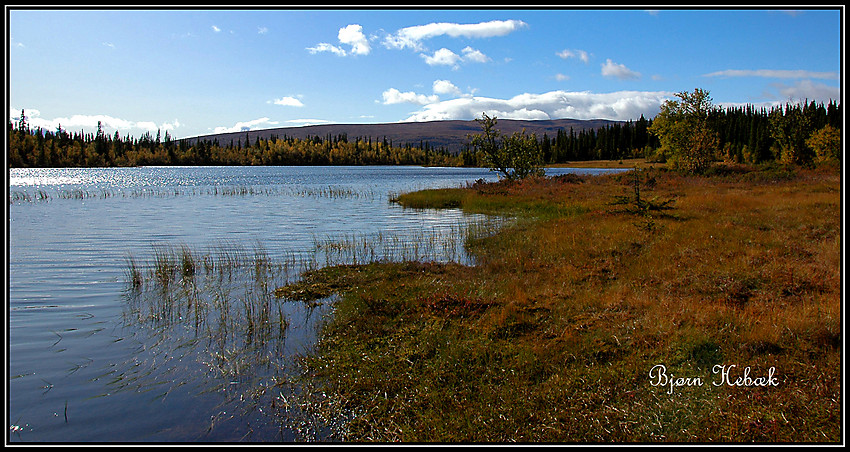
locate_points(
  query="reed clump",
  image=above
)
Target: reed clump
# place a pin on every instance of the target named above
(217, 307)
(551, 336)
(217, 292)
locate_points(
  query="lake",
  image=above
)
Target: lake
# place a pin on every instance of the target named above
(140, 300)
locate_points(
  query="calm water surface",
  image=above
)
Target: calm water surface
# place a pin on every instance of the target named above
(91, 359)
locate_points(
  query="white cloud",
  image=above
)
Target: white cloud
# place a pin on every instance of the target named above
(15, 113)
(89, 122)
(445, 57)
(583, 56)
(351, 35)
(325, 47)
(394, 96)
(442, 57)
(621, 105)
(146, 125)
(580, 54)
(611, 69)
(288, 101)
(307, 122)
(262, 30)
(771, 73)
(171, 125)
(412, 37)
(561, 77)
(473, 55)
(243, 126)
(216, 29)
(445, 87)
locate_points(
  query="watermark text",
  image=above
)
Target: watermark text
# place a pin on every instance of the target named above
(729, 375)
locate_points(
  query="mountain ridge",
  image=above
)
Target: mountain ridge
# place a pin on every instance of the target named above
(451, 135)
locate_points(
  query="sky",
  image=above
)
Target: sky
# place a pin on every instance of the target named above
(192, 72)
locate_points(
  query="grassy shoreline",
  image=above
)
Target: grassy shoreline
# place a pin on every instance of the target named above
(552, 335)
(607, 164)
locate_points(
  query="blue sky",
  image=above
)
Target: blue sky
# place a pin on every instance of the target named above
(196, 72)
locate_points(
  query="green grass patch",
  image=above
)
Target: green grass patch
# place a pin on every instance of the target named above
(433, 199)
(531, 198)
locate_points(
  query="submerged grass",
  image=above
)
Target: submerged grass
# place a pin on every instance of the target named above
(438, 244)
(233, 308)
(210, 319)
(552, 335)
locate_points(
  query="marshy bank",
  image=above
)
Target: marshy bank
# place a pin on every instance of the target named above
(729, 282)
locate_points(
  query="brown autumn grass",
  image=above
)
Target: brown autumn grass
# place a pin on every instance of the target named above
(552, 335)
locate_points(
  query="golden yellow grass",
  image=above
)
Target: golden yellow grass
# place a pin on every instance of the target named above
(552, 335)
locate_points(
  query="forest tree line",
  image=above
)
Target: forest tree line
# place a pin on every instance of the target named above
(745, 135)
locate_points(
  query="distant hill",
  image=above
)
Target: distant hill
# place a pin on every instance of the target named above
(451, 135)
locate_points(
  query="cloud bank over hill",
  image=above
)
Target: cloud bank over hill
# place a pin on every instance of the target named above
(617, 106)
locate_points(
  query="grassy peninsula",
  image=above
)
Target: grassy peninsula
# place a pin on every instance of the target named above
(729, 280)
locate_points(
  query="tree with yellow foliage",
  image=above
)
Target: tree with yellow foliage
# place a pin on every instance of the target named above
(685, 133)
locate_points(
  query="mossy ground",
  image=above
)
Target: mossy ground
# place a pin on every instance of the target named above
(551, 336)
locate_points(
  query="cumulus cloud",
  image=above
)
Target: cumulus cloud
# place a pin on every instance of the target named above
(288, 101)
(442, 57)
(445, 87)
(473, 55)
(215, 29)
(439, 87)
(394, 96)
(445, 57)
(351, 35)
(412, 37)
(772, 73)
(620, 105)
(612, 69)
(243, 126)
